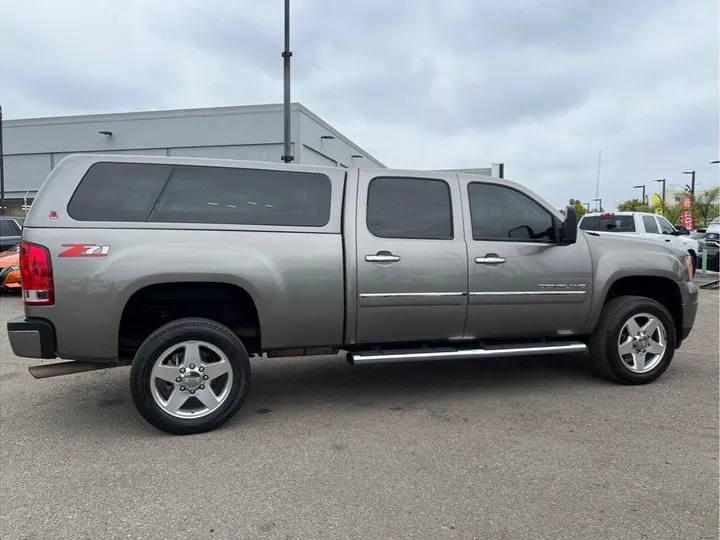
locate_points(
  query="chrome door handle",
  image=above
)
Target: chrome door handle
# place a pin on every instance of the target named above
(382, 257)
(489, 260)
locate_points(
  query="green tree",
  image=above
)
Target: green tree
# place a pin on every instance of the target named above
(707, 207)
(633, 205)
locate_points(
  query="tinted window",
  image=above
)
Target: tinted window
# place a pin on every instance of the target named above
(7, 228)
(501, 213)
(665, 226)
(409, 208)
(245, 197)
(118, 192)
(608, 223)
(650, 225)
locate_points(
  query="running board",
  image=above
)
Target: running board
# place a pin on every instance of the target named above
(437, 353)
(57, 369)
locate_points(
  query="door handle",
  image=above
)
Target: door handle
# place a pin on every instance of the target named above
(382, 256)
(490, 258)
(667, 240)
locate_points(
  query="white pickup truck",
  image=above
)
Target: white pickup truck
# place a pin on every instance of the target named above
(651, 226)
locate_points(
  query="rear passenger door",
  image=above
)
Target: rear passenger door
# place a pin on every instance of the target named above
(411, 259)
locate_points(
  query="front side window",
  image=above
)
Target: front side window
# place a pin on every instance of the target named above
(665, 226)
(650, 225)
(502, 213)
(417, 208)
(235, 196)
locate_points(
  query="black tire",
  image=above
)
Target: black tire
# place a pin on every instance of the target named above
(694, 263)
(603, 342)
(174, 333)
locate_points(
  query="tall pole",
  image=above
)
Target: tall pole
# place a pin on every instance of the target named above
(2, 168)
(663, 193)
(287, 158)
(597, 183)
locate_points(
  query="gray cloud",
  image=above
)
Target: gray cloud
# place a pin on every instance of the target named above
(538, 84)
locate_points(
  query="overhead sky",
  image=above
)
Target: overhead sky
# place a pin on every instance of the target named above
(540, 85)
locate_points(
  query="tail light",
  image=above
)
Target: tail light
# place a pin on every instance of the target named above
(36, 275)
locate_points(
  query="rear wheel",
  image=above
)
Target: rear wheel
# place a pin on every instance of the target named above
(190, 376)
(634, 341)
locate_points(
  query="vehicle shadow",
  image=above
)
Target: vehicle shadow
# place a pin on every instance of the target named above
(298, 386)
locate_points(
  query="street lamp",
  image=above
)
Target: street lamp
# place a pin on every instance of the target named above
(643, 191)
(692, 182)
(287, 158)
(2, 169)
(663, 190)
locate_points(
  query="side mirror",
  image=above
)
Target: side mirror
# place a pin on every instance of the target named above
(523, 232)
(569, 228)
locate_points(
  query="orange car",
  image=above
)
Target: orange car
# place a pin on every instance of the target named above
(10, 269)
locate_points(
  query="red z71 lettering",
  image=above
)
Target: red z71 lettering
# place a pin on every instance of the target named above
(84, 250)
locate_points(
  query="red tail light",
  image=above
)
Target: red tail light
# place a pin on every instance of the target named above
(36, 275)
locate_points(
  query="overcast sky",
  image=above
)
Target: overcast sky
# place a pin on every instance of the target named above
(540, 85)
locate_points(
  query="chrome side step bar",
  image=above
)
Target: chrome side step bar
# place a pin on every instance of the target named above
(418, 355)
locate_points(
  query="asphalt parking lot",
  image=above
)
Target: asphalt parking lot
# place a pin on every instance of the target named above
(532, 448)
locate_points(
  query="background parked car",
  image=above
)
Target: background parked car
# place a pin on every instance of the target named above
(711, 242)
(10, 270)
(10, 231)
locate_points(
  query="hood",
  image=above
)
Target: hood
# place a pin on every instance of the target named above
(629, 242)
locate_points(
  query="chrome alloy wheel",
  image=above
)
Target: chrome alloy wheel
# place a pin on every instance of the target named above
(642, 342)
(191, 379)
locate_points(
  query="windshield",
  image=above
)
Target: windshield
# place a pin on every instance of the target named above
(608, 223)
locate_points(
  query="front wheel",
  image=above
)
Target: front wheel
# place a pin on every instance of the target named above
(190, 376)
(634, 341)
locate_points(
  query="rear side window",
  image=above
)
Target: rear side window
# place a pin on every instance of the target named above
(650, 225)
(409, 208)
(7, 228)
(118, 192)
(222, 195)
(608, 223)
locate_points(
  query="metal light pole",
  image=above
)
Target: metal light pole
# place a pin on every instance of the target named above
(663, 191)
(692, 182)
(287, 158)
(2, 168)
(643, 192)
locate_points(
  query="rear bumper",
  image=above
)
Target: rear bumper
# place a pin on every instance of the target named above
(690, 294)
(32, 338)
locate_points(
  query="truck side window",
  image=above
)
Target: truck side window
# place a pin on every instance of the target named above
(240, 196)
(409, 208)
(118, 192)
(500, 213)
(665, 226)
(650, 225)
(7, 228)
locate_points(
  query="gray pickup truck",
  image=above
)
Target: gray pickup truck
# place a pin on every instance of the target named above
(184, 268)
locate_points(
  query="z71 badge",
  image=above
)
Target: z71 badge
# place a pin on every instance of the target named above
(84, 250)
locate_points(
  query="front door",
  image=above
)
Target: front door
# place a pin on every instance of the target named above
(411, 259)
(522, 283)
